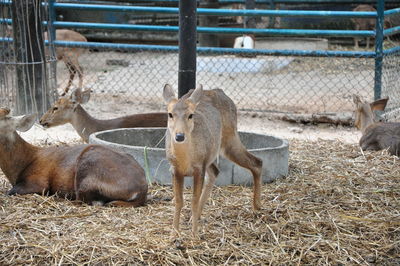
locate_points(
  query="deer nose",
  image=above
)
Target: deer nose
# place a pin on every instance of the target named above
(179, 137)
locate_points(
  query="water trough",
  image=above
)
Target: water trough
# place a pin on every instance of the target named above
(146, 145)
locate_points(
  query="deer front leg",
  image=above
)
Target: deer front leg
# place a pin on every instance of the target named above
(178, 197)
(212, 173)
(198, 178)
(25, 188)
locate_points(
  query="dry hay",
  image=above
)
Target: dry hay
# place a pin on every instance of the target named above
(337, 206)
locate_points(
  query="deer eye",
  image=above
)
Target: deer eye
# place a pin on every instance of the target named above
(170, 115)
(190, 116)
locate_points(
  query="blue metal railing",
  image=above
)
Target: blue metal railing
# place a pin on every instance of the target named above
(379, 33)
(219, 12)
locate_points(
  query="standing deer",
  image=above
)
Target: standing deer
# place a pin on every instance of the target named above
(69, 110)
(200, 126)
(366, 23)
(70, 55)
(91, 173)
(376, 135)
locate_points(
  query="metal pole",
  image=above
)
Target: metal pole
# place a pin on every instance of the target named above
(187, 46)
(379, 49)
(51, 29)
(30, 56)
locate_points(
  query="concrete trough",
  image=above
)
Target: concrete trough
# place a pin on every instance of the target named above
(147, 146)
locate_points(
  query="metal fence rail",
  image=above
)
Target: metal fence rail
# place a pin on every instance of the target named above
(278, 79)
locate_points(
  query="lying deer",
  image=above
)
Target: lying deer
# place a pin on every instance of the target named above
(376, 135)
(70, 55)
(90, 173)
(69, 110)
(201, 126)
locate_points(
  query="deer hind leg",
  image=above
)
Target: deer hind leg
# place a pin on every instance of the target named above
(178, 198)
(72, 71)
(198, 179)
(78, 69)
(356, 40)
(234, 150)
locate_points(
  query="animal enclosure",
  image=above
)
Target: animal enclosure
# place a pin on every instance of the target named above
(336, 206)
(282, 73)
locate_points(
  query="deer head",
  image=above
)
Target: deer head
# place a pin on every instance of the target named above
(181, 112)
(8, 124)
(364, 113)
(63, 109)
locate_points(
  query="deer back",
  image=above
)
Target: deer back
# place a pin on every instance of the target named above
(380, 136)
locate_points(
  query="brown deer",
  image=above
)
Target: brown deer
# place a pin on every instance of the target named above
(376, 135)
(69, 110)
(200, 126)
(366, 23)
(70, 55)
(90, 173)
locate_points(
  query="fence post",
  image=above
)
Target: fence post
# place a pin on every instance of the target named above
(379, 49)
(52, 50)
(187, 46)
(30, 56)
(250, 22)
(208, 39)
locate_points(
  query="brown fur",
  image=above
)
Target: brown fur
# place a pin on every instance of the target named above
(90, 173)
(66, 110)
(366, 23)
(375, 135)
(211, 130)
(70, 55)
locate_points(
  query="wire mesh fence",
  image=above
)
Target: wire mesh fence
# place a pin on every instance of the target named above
(260, 83)
(27, 82)
(256, 82)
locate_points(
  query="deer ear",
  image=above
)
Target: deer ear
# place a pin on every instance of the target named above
(356, 99)
(76, 96)
(379, 105)
(4, 111)
(196, 95)
(24, 123)
(168, 93)
(85, 96)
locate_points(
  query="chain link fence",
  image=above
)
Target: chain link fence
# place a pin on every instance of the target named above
(260, 83)
(257, 82)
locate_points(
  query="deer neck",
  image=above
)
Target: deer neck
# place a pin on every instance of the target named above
(15, 156)
(366, 121)
(83, 123)
(182, 158)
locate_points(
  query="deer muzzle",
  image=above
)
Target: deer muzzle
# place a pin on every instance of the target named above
(180, 137)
